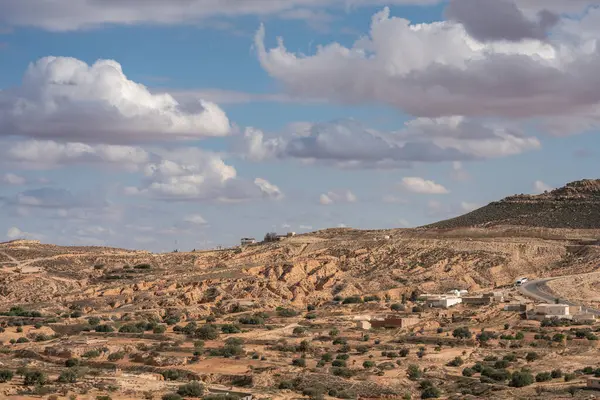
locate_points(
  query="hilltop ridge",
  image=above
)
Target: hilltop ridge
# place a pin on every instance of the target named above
(575, 205)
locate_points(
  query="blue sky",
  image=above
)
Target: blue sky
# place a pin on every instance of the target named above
(163, 127)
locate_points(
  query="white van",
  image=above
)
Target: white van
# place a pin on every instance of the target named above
(521, 281)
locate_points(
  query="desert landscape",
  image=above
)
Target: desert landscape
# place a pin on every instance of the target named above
(430, 312)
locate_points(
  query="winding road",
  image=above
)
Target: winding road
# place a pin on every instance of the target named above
(538, 290)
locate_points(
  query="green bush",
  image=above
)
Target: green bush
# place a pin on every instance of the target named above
(299, 362)
(171, 374)
(520, 336)
(72, 362)
(456, 362)
(521, 379)
(229, 328)
(462, 333)
(103, 328)
(91, 354)
(93, 321)
(252, 320)
(207, 332)
(68, 376)
(286, 312)
(368, 364)
(352, 300)
(543, 377)
(569, 377)
(531, 356)
(171, 396)
(131, 328)
(119, 355)
(342, 371)
(501, 364)
(338, 363)
(283, 385)
(510, 357)
(34, 377)
(6, 375)
(22, 340)
(368, 299)
(327, 357)
(468, 372)
(397, 307)
(159, 330)
(557, 373)
(414, 372)
(404, 352)
(193, 389)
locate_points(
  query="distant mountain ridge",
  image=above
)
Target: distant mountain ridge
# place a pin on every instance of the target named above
(575, 205)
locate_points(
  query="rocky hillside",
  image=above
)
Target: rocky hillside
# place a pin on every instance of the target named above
(297, 271)
(575, 206)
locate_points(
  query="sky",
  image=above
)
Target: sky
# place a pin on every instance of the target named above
(189, 124)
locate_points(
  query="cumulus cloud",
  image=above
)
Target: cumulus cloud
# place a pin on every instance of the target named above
(348, 144)
(195, 219)
(541, 187)
(44, 154)
(337, 196)
(489, 20)
(438, 69)
(422, 186)
(61, 15)
(67, 99)
(13, 179)
(194, 174)
(16, 233)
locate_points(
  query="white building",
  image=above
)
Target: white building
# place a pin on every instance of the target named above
(246, 241)
(552, 309)
(442, 301)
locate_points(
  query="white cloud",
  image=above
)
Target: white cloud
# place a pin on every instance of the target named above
(195, 219)
(305, 227)
(437, 69)
(422, 186)
(62, 15)
(16, 233)
(44, 154)
(12, 179)
(337, 196)
(458, 172)
(67, 99)
(268, 189)
(541, 187)
(349, 144)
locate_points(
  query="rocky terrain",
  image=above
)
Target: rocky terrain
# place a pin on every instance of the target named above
(575, 206)
(103, 323)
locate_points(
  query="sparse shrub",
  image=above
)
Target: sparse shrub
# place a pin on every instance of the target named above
(299, 362)
(283, 385)
(131, 328)
(171, 374)
(397, 307)
(103, 328)
(531, 356)
(569, 377)
(76, 314)
(417, 309)
(116, 356)
(193, 389)
(171, 396)
(341, 341)
(299, 331)
(68, 376)
(338, 363)
(311, 316)
(368, 299)
(91, 354)
(334, 332)
(22, 340)
(362, 349)
(6, 375)
(352, 300)
(429, 391)
(211, 318)
(559, 338)
(414, 372)
(286, 312)
(368, 364)
(468, 372)
(310, 307)
(456, 362)
(34, 377)
(343, 372)
(543, 377)
(229, 328)
(72, 362)
(159, 329)
(143, 266)
(520, 336)
(199, 344)
(93, 321)
(251, 320)
(462, 333)
(19, 329)
(327, 357)
(404, 352)
(501, 364)
(521, 379)
(207, 332)
(510, 357)
(557, 373)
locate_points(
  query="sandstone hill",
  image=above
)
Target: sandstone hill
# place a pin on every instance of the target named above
(576, 206)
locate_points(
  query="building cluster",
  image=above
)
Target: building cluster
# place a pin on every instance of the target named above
(269, 237)
(559, 311)
(455, 297)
